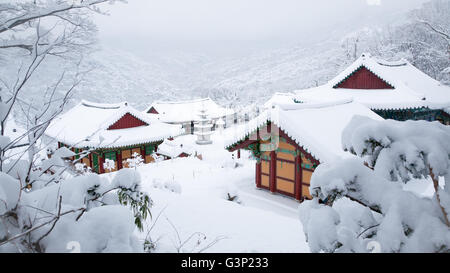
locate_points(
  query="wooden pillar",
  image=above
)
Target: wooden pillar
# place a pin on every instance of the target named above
(101, 160)
(258, 174)
(298, 177)
(273, 171)
(91, 165)
(119, 159)
(239, 153)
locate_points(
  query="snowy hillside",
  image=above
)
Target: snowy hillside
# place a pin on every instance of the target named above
(115, 75)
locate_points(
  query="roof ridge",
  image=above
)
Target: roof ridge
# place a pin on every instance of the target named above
(315, 104)
(121, 113)
(103, 105)
(183, 101)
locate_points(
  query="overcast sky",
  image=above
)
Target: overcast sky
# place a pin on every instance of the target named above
(202, 24)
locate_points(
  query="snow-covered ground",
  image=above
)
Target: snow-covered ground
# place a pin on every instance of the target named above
(191, 209)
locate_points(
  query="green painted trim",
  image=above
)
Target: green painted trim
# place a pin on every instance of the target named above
(286, 151)
(110, 156)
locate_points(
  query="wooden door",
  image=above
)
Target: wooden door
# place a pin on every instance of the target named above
(306, 180)
(86, 161)
(285, 177)
(265, 170)
(285, 168)
(125, 155)
(135, 150)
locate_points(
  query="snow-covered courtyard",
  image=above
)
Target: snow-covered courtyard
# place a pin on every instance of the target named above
(190, 203)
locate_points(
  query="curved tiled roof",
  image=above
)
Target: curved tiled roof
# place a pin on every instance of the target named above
(86, 125)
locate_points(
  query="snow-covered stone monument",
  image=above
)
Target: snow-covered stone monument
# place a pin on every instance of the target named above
(203, 128)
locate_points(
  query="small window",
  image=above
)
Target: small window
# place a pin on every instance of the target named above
(111, 156)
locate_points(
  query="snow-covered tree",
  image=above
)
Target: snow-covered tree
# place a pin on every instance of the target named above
(135, 161)
(46, 205)
(364, 199)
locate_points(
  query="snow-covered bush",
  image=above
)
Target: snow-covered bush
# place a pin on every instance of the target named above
(135, 161)
(81, 168)
(87, 209)
(109, 164)
(360, 200)
(157, 157)
(49, 202)
(128, 181)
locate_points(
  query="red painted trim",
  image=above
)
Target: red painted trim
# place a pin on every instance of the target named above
(298, 177)
(293, 143)
(298, 195)
(273, 171)
(285, 160)
(289, 140)
(101, 160)
(242, 145)
(127, 121)
(90, 160)
(119, 160)
(286, 193)
(363, 78)
(258, 174)
(287, 179)
(283, 134)
(239, 154)
(152, 111)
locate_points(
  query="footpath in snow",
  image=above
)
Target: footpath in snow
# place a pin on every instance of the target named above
(191, 212)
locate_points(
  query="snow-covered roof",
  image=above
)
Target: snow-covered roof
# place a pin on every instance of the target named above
(186, 111)
(278, 98)
(86, 125)
(173, 148)
(315, 126)
(411, 87)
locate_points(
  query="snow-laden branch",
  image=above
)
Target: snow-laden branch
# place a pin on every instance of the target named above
(391, 153)
(27, 12)
(442, 33)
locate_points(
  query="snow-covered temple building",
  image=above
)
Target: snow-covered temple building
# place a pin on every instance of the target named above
(394, 90)
(290, 140)
(186, 112)
(171, 149)
(110, 131)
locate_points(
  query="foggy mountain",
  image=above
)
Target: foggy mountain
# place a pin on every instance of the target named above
(116, 75)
